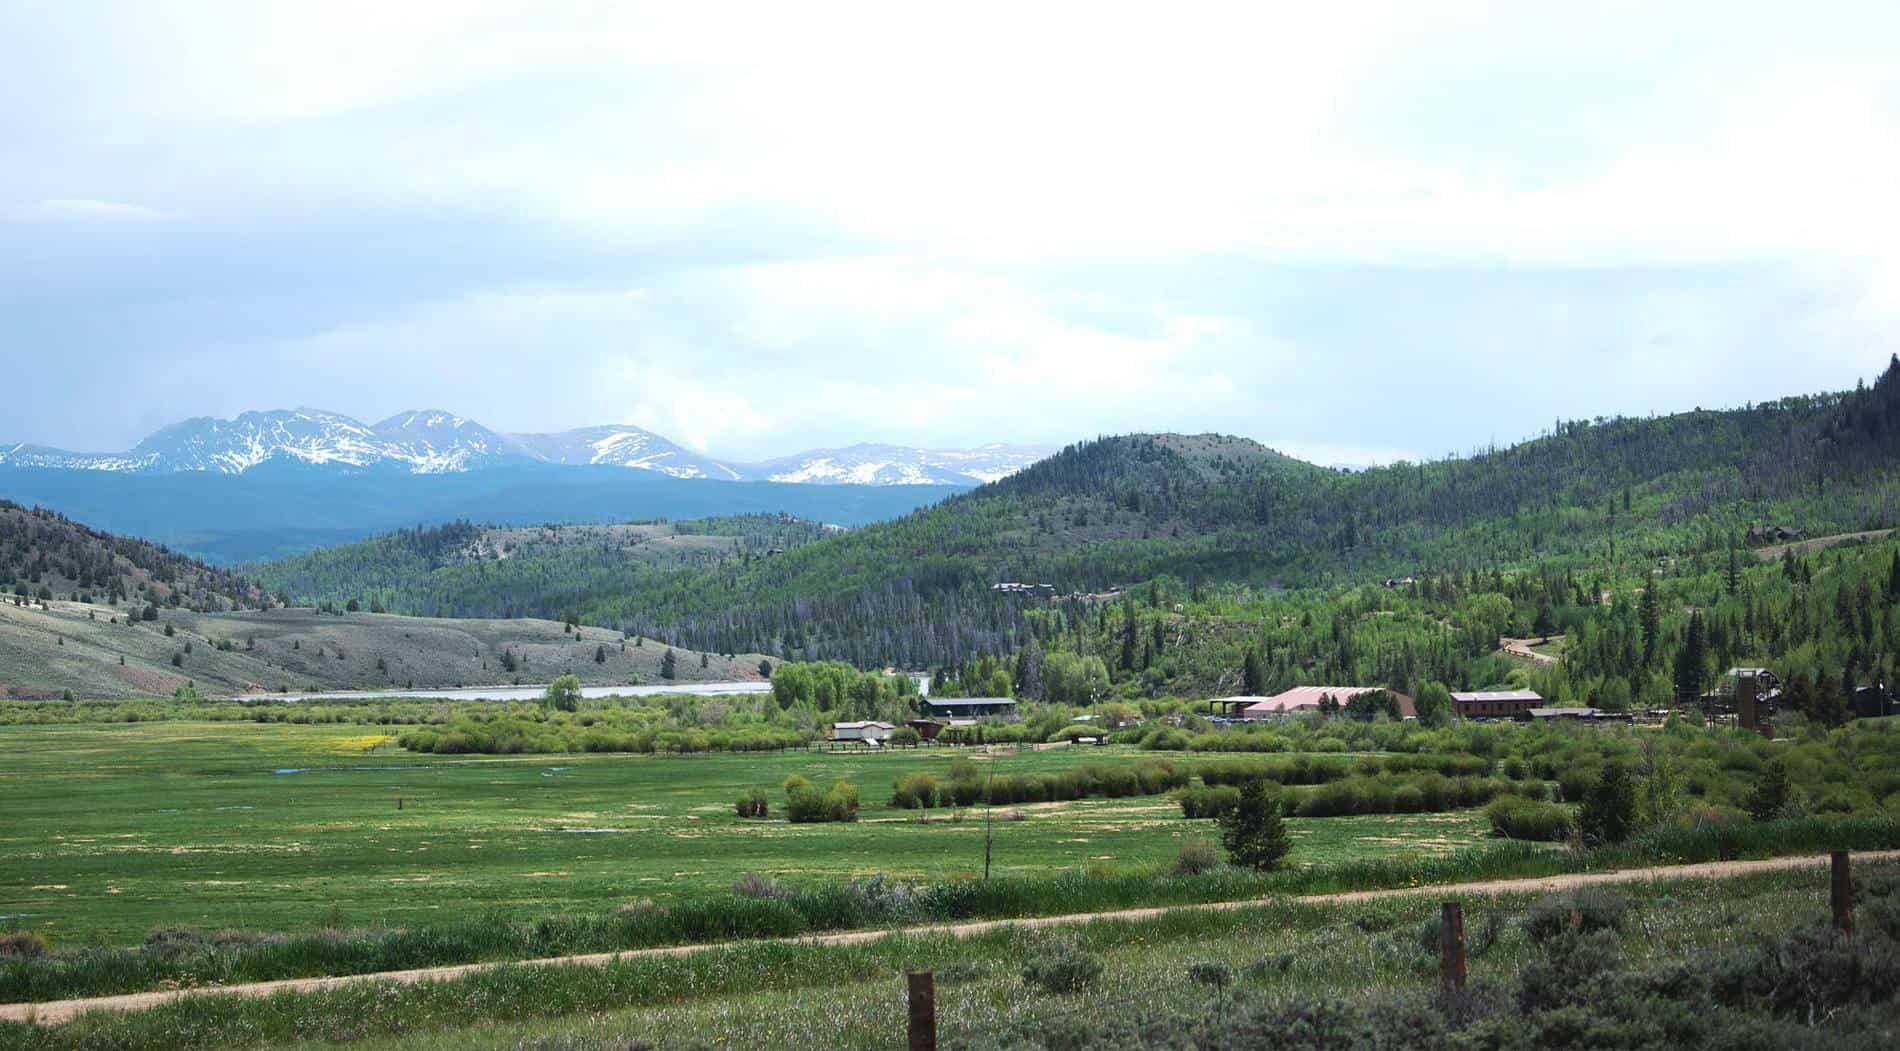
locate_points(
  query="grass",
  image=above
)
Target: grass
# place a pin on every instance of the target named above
(768, 996)
(1553, 647)
(114, 830)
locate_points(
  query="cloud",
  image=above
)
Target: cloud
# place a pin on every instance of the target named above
(757, 227)
(750, 361)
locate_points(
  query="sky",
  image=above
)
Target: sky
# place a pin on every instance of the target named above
(1359, 234)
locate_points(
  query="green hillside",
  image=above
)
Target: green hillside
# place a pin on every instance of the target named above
(1604, 499)
(45, 555)
(467, 570)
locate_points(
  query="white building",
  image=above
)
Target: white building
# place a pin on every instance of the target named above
(869, 730)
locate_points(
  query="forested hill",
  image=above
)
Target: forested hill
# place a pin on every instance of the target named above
(44, 555)
(1120, 510)
(558, 571)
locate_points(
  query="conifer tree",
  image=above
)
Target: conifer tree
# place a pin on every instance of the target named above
(1609, 808)
(1771, 792)
(1253, 832)
(1253, 674)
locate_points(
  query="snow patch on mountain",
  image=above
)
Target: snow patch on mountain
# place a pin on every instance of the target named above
(624, 446)
(23, 455)
(437, 442)
(871, 464)
(431, 441)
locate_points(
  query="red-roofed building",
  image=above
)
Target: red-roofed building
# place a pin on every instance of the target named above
(1305, 699)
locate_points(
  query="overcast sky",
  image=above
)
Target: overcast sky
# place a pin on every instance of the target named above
(1358, 233)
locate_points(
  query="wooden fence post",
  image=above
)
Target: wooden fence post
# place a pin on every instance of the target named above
(1841, 893)
(923, 1010)
(1451, 948)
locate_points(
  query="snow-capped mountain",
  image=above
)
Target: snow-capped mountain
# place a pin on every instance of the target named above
(624, 446)
(24, 455)
(432, 441)
(871, 464)
(437, 442)
(420, 442)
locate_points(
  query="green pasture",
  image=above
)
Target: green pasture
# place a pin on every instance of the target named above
(114, 830)
(786, 995)
(1354, 949)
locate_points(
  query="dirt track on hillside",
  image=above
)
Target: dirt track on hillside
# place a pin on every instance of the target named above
(1522, 648)
(60, 1011)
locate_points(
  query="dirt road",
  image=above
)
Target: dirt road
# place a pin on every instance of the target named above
(1522, 648)
(65, 1010)
(1802, 547)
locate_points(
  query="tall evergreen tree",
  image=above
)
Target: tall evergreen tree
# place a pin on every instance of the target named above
(1649, 616)
(1771, 792)
(1608, 812)
(1128, 635)
(1253, 674)
(1692, 661)
(1253, 832)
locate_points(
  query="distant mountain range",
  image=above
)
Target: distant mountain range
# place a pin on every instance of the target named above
(436, 442)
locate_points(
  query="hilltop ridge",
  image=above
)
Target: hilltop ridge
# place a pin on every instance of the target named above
(1118, 510)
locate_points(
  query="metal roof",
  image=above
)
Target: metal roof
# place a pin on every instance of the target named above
(1300, 698)
(1498, 695)
(964, 702)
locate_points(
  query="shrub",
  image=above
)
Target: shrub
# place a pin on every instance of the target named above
(1514, 817)
(1573, 783)
(914, 790)
(841, 802)
(759, 886)
(753, 802)
(1332, 800)
(1195, 856)
(1810, 972)
(1479, 936)
(878, 896)
(22, 945)
(1584, 912)
(960, 971)
(966, 784)
(804, 805)
(1201, 801)
(1268, 967)
(563, 694)
(1212, 974)
(1166, 741)
(1061, 964)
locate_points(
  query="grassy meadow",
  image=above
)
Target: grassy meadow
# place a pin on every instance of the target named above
(114, 830)
(777, 995)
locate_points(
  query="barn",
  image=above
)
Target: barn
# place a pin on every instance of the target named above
(1495, 704)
